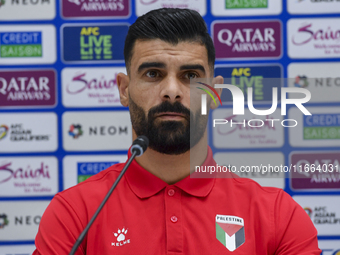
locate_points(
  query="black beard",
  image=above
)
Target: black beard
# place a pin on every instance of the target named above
(168, 137)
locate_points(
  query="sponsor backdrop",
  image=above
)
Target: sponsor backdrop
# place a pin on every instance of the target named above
(61, 120)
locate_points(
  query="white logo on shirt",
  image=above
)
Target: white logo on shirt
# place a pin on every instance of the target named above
(121, 237)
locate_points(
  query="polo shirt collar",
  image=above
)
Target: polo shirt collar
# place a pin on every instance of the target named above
(144, 184)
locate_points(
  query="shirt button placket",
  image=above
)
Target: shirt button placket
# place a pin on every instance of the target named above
(173, 221)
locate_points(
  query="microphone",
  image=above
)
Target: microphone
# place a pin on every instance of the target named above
(138, 147)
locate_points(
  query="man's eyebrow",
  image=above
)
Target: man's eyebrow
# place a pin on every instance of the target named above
(193, 67)
(150, 64)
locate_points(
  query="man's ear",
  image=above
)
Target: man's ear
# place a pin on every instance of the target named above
(217, 80)
(123, 81)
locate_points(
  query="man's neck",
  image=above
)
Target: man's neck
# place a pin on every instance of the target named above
(173, 168)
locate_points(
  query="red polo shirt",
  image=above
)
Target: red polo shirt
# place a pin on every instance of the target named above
(145, 215)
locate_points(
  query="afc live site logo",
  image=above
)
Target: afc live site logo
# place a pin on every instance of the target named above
(92, 44)
(27, 44)
(27, 88)
(262, 78)
(314, 38)
(90, 87)
(88, 9)
(247, 39)
(144, 6)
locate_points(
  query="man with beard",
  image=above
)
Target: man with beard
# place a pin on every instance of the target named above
(157, 208)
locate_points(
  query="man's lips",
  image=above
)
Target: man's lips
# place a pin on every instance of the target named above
(171, 116)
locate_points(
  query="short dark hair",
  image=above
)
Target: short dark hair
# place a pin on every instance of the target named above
(171, 25)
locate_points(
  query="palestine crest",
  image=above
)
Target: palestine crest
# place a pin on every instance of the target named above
(230, 231)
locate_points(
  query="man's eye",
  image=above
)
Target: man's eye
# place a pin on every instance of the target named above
(191, 75)
(152, 74)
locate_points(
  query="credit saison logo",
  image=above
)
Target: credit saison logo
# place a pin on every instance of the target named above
(238, 105)
(88, 169)
(246, 4)
(321, 126)
(17, 133)
(20, 44)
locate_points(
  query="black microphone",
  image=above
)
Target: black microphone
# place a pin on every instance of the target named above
(137, 149)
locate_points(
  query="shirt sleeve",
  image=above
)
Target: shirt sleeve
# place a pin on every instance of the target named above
(59, 229)
(295, 232)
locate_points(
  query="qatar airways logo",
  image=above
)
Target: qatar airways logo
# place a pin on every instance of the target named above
(91, 87)
(247, 39)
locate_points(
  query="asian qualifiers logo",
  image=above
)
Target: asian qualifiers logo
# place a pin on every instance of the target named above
(238, 105)
(3, 131)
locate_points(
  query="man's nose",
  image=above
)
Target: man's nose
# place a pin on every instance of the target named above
(172, 89)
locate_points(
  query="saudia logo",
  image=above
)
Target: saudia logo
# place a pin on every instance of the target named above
(23, 173)
(93, 45)
(245, 4)
(81, 84)
(306, 35)
(20, 44)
